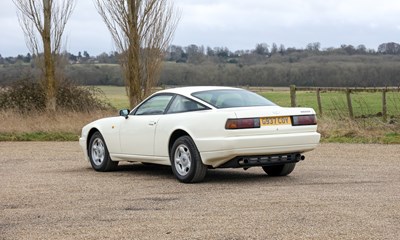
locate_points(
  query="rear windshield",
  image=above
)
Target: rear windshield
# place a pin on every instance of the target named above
(229, 98)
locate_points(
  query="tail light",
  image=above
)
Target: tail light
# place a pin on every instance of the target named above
(241, 123)
(304, 120)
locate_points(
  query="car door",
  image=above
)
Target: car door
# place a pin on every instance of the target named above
(137, 132)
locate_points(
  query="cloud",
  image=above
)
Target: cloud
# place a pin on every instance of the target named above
(242, 24)
(236, 24)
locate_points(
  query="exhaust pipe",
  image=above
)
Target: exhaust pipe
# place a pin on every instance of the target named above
(243, 161)
(300, 157)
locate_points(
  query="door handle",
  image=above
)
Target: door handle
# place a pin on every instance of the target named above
(152, 123)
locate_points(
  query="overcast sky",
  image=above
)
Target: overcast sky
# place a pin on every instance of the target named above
(236, 24)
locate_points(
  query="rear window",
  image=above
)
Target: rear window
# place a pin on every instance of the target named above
(229, 98)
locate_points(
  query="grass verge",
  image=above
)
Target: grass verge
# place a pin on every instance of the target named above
(39, 136)
(42, 126)
(332, 131)
(391, 138)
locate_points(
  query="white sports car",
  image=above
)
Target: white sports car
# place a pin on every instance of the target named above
(196, 128)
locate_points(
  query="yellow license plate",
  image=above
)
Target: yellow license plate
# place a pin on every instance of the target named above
(270, 121)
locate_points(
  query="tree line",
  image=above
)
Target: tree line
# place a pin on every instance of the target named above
(346, 66)
(195, 54)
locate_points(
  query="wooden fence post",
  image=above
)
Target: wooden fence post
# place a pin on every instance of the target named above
(349, 105)
(319, 102)
(384, 106)
(293, 102)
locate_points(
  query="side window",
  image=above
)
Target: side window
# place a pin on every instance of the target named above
(183, 104)
(154, 106)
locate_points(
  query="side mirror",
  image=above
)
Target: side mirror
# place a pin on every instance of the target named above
(124, 113)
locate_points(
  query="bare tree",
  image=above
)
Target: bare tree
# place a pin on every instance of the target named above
(43, 23)
(261, 49)
(142, 31)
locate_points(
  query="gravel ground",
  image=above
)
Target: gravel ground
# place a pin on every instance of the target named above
(341, 191)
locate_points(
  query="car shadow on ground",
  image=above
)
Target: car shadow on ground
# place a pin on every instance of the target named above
(213, 175)
(140, 169)
(242, 176)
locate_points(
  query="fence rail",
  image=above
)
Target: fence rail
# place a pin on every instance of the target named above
(348, 91)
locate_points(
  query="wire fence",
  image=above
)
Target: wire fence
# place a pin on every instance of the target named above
(358, 102)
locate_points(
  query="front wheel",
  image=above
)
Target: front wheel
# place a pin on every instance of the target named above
(99, 155)
(279, 170)
(186, 161)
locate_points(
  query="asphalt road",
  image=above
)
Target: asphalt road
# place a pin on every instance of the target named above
(340, 191)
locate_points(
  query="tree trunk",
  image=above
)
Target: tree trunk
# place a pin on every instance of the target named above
(133, 57)
(49, 69)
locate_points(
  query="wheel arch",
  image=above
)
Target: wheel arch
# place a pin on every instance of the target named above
(174, 136)
(89, 136)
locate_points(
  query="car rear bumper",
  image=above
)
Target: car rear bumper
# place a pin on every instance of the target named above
(265, 145)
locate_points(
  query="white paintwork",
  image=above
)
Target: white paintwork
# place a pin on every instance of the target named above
(138, 135)
(146, 138)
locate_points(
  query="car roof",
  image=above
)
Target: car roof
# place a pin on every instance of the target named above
(187, 91)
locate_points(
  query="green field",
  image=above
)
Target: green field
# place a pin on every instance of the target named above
(334, 104)
(116, 96)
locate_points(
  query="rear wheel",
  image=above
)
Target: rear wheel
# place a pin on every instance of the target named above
(279, 170)
(99, 155)
(186, 161)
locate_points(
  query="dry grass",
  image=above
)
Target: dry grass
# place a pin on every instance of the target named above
(369, 130)
(68, 122)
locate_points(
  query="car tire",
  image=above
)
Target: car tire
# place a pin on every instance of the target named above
(98, 154)
(186, 162)
(279, 170)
